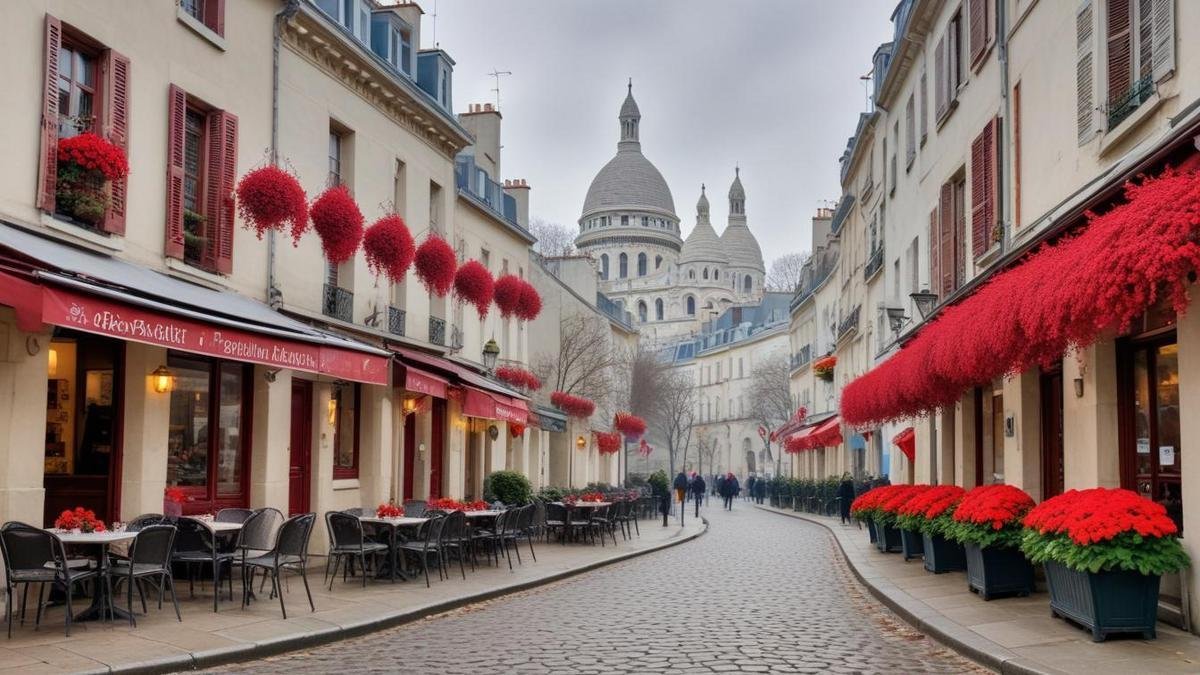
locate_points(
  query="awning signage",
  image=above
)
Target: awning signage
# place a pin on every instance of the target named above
(479, 403)
(421, 382)
(105, 317)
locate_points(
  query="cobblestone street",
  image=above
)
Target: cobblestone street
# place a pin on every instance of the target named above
(758, 593)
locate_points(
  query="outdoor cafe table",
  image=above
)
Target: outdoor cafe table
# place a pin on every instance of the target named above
(101, 542)
(392, 525)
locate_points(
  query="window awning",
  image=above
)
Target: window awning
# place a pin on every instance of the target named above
(463, 374)
(907, 442)
(419, 381)
(823, 434)
(479, 403)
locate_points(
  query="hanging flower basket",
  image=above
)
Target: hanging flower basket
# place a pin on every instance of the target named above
(574, 406)
(87, 166)
(435, 262)
(338, 222)
(508, 294)
(823, 367)
(388, 248)
(530, 304)
(516, 429)
(269, 198)
(631, 426)
(607, 443)
(473, 284)
(518, 377)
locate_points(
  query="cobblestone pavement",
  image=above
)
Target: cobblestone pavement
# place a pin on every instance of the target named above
(757, 593)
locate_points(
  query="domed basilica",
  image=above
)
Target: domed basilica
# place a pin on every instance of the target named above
(629, 227)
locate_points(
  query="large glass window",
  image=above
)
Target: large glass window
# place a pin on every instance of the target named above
(1151, 447)
(206, 440)
(345, 398)
(76, 91)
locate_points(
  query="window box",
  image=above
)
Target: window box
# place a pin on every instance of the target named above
(911, 544)
(992, 571)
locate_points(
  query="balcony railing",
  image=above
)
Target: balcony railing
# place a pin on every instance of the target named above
(613, 310)
(396, 317)
(474, 182)
(802, 357)
(1123, 106)
(437, 331)
(338, 303)
(849, 323)
(874, 263)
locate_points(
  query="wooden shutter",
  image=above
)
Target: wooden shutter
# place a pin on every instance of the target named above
(214, 16)
(940, 100)
(1120, 48)
(983, 188)
(115, 127)
(176, 123)
(1163, 57)
(935, 266)
(978, 16)
(946, 239)
(48, 164)
(1085, 79)
(220, 175)
(924, 107)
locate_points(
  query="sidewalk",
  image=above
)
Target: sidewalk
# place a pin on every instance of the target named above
(1010, 635)
(160, 643)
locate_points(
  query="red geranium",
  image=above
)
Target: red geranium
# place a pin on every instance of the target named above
(608, 443)
(630, 425)
(388, 247)
(516, 429)
(865, 505)
(1100, 514)
(92, 153)
(338, 222)
(530, 304)
(473, 284)
(389, 510)
(990, 515)
(269, 197)
(83, 519)
(435, 263)
(592, 497)
(175, 494)
(933, 502)
(508, 294)
(575, 406)
(518, 377)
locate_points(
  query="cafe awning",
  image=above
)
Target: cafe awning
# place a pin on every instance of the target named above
(419, 381)
(451, 370)
(822, 434)
(907, 442)
(479, 403)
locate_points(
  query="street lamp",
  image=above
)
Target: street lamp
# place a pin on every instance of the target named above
(896, 319)
(491, 351)
(925, 301)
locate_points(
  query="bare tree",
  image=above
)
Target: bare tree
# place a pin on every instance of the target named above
(675, 413)
(553, 239)
(771, 398)
(585, 361)
(707, 450)
(785, 272)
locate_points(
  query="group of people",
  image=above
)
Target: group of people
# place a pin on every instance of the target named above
(693, 487)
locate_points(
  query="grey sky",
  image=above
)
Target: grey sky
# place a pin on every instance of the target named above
(771, 85)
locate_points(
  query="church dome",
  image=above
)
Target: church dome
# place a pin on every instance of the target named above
(702, 243)
(629, 181)
(737, 240)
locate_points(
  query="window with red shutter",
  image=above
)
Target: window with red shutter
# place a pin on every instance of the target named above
(114, 125)
(941, 102)
(983, 189)
(202, 171)
(935, 265)
(224, 127)
(980, 33)
(176, 135)
(48, 169)
(946, 240)
(211, 13)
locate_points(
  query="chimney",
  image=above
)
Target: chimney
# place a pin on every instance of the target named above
(483, 123)
(518, 189)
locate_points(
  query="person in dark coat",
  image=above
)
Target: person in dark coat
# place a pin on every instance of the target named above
(846, 496)
(681, 486)
(698, 488)
(760, 490)
(731, 490)
(719, 485)
(750, 486)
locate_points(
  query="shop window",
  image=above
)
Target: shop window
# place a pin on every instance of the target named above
(208, 433)
(345, 421)
(86, 90)
(202, 170)
(1151, 452)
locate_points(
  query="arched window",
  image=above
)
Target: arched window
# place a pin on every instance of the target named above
(623, 263)
(658, 309)
(691, 306)
(691, 274)
(657, 261)
(641, 311)
(705, 272)
(641, 264)
(747, 284)
(604, 267)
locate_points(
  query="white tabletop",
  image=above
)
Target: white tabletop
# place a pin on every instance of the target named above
(93, 537)
(395, 522)
(482, 514)
(216, 526)
(592, 505)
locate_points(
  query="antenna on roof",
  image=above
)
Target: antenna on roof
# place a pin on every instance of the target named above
(496, 74)
(435, 42)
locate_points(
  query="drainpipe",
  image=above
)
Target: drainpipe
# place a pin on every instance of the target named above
(1006, 170)
(274, 296)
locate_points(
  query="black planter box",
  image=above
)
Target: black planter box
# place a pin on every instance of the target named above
(992, 571)
(887, 539)
(1104, 602)
(911, 544)
(943, 555)
(871, 530)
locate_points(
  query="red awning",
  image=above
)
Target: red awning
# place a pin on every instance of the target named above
(463, 374)
(1064, 295)
(479, 403)
(36, 304)
(824, 434)
(907, 442)
(420, 381)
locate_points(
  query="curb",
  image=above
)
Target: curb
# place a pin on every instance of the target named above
(216, 657)
(930, 622)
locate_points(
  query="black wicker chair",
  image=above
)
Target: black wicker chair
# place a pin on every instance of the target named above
(35, 556)
(149, 558)
(456, 538)
(289, 553)
(232, 515)
(195, 544)
(347, 542)
(426, 546)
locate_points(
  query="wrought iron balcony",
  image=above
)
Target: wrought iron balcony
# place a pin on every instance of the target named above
(396, 317)
(1123, 106)
(338, 303)
(874, 263)
(437, 331)
(802, 357)
(849, 323)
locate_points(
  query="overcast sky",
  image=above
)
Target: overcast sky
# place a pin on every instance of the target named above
(770, 85)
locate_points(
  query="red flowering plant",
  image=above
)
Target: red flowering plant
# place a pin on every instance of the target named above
(87, 166)
(84, 520)
(570, 500)
(794, 445)
(338, 222)
(823, 367)
(574, 406)
(473, 284)
(866, 505)
(895, 500)
(434, 263)
(990, 515)
(593, 497)
(449, 504)
(518, 377)
(508, 294)
(175, 494)
(1104, 529)
(631, 426)
(608, 443)
(644, 448)
(530, 304)
(388, 248)
(516, 429)
(269, 198)
(930, 512)
(389, 510)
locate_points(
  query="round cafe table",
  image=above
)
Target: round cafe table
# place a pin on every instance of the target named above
(98, 541)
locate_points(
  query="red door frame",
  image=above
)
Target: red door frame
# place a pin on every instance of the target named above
(300, 439)
(1052, 431)
(437, 440)
(410, 454)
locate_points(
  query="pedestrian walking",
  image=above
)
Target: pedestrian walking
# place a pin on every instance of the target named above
(845, 496)
(698, 487)
(731, 490)
(681, 486)
(760, 490)
(719, 485)
(750, 486)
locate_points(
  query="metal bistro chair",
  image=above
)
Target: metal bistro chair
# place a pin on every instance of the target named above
(347, 542)
(456, 537)
(556, 521)
(414, 508)
(524, 527)
(195, 544)
(35, 556)
(602, 521)
(629, 520)
(427, 546)
(257, 536)
(289, 553)
(232, 515)
(149, 558)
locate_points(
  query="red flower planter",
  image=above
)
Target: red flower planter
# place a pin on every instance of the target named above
(574, 406)
(388, 247)
(530, 304)
(435, 262)
(270, 198)
(508, 294)
(473, 284)
(338, 222)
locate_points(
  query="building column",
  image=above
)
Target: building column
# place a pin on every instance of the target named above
(375, 445)
(321, 497)
(1023, 449)
(1090, 445)
(1188, 337)
(146, 419)
(270, 454)
(923, 457)
(964, 440)
(946, 471)
(23, 377)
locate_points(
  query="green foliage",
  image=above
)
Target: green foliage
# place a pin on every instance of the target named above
(908, 521)
(550, 494)
(510, 487)
(983, 536)
(636, 481)
(1127, 551)
(939, 526)
(659, 483)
